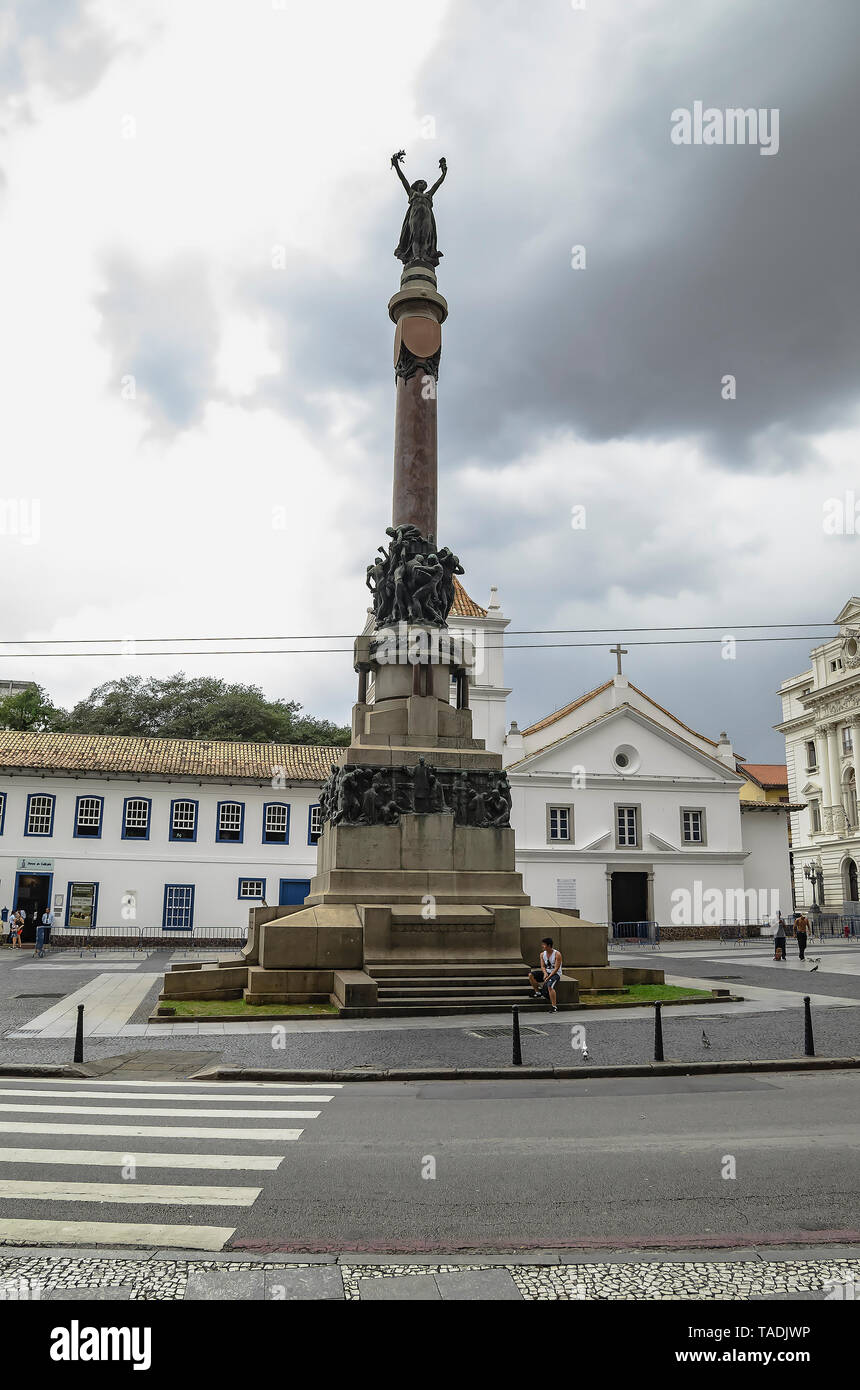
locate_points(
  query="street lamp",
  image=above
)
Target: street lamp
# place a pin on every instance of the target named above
(812, 872)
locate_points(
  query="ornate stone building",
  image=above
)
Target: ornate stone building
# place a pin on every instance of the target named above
(821, 724)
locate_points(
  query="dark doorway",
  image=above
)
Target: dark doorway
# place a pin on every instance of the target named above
(629, 897)
(293, 890)
(851, 880)
(32, 893)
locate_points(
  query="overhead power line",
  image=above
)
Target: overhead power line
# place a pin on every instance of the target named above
(349, 636)
(345, 651)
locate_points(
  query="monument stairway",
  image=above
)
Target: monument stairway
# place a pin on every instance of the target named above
(453, 988)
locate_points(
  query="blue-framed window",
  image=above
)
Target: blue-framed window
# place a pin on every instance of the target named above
(40, 814)
(314, 824)
(183, 819)
(178, 914)
(82, 901)
(88, 817)
(2, 811)
(230, 822)
(276, 823)
(252, 890)
(136, 817)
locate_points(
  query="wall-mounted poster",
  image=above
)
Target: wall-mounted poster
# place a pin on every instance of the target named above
(82, 903)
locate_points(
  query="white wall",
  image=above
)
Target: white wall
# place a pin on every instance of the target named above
(766, 838)
(145, 866)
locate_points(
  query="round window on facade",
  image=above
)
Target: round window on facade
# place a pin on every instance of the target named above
(626, 758)
(851, 646)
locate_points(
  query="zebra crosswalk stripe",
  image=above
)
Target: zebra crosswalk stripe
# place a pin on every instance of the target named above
(150, 1131)
(305, 1099)
(162, 1114)
(116, 1158)
(159, 1194)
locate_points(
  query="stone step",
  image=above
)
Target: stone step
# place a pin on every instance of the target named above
(471, 983)
(445, 915)
(464, 969)
(409, 996)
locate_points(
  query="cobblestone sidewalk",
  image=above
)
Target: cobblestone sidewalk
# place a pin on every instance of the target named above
(154, 1279)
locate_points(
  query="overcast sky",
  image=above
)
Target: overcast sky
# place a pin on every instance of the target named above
(156, 153)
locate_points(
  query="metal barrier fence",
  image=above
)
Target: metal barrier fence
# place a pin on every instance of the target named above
(741, 930)
(90, 942)
(635, 933)
(834, 924)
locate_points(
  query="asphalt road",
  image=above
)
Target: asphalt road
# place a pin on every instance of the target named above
(541, 1165)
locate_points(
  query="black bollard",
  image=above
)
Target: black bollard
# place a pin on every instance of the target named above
(518, 1048)
(808, 1040)
(79, 1036)
(658, 1031)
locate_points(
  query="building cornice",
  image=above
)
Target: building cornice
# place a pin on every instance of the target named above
(566, 854)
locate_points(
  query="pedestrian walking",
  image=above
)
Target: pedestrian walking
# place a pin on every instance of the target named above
(19, 928)
(801, 929)
(47, 923)
(779, 940)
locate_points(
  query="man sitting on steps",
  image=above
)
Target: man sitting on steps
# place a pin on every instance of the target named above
(550, 968)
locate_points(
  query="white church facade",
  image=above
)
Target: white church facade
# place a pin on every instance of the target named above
(624, 812)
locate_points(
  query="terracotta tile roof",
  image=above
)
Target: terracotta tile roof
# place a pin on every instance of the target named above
(463, 606)
(568, 709)
(766, 774)
(776, 806)
(583, 699)
(680, 722)
(607, 714)
(185, 757)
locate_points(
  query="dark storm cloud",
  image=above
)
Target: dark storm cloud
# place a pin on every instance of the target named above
(702, 261)
(161, 328)
(52, 43)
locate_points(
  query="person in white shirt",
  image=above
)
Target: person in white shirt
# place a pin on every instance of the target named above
(550, 968)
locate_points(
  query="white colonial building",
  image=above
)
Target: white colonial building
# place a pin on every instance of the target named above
(821, 724)
(155, 834)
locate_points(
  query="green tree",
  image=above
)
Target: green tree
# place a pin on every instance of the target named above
(31, 710)
(202, 707)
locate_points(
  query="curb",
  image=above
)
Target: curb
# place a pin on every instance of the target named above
(47, 1069)
(584, 1071)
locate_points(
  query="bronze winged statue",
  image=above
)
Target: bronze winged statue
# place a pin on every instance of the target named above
(417, 244)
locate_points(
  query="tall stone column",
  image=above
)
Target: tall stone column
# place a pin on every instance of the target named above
(823, 767)
(418, 311)
(833, 758)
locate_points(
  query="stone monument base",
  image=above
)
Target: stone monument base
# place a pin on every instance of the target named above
(371, 959)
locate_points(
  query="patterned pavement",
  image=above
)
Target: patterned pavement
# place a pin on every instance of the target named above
(145, 1278)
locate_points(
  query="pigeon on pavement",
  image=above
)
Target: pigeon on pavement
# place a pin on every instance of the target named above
(706, 1042)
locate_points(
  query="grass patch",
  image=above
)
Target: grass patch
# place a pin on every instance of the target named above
(643, 994)
(237, 1008)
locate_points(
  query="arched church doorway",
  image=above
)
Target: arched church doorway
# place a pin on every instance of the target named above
(849, 881)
